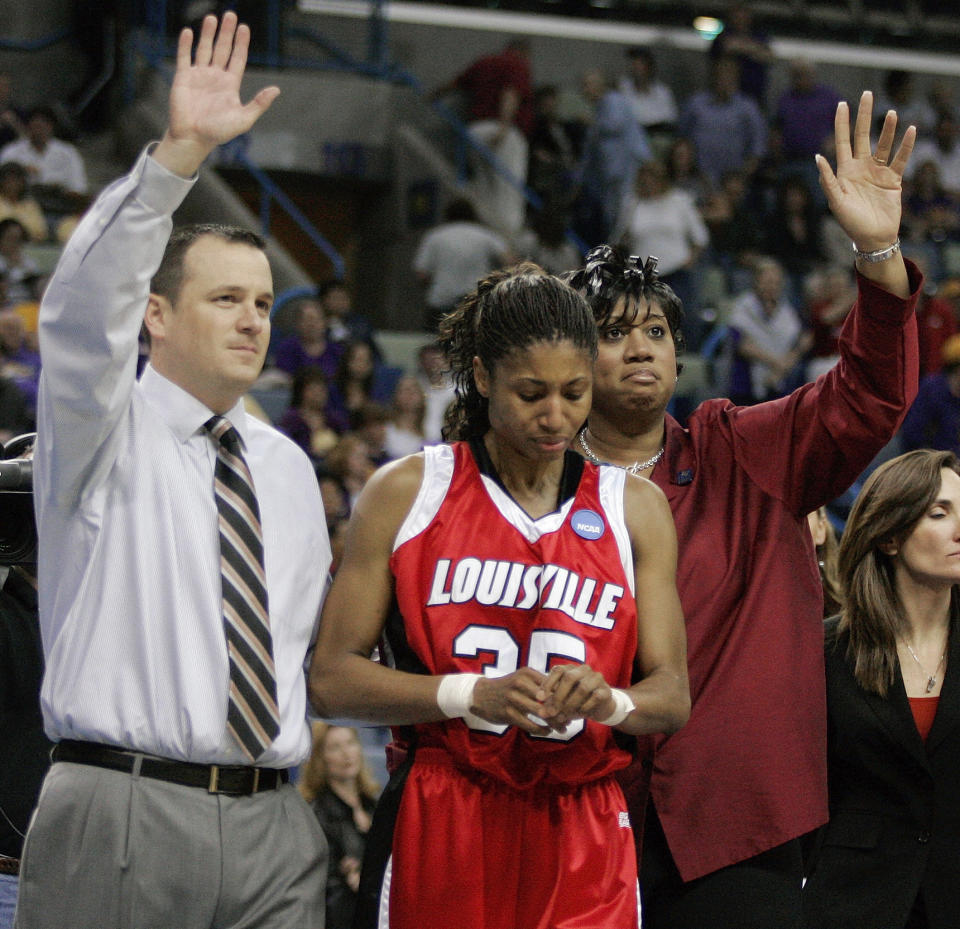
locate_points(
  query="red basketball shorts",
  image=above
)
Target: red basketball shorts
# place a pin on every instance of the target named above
(471, 853)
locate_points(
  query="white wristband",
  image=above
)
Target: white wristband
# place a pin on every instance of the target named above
(455, 694)
(624, 706)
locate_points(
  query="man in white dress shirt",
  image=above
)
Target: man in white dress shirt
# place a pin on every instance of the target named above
(154, 812)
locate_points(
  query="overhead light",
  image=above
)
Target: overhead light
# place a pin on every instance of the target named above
(709, 27)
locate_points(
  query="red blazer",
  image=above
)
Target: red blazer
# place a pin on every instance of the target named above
(748, 771)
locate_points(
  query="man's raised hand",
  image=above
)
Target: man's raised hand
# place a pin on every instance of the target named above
(205, 106)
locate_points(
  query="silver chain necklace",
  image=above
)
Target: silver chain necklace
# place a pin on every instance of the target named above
(635, 468)
(931, 678)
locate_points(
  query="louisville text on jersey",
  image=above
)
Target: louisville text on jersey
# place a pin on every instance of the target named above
(525, 587)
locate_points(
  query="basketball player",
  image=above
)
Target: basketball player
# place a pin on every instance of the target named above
(519, 591)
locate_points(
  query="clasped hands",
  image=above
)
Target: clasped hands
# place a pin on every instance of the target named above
(541, 703)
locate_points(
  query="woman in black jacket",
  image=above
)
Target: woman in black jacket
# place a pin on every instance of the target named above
(890, 856)
(337, 783)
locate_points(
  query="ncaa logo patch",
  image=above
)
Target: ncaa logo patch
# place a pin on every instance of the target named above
(587, 524)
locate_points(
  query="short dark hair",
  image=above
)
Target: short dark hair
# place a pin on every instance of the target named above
(168, 279)
(460, 210)
(509, 311)
(335, 284)
(13, 168)
(44, 111)
(9, 223)
(609, 275)
(305, 376)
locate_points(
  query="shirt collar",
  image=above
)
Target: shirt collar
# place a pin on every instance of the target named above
(181, 411)
(678, 465)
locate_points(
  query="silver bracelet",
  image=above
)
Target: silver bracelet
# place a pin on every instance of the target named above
(881, 254)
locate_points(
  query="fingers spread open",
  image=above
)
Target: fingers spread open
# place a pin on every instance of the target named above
(899, 163)
(841, 132)
(224, 44)
(205, 46)
(861, 130)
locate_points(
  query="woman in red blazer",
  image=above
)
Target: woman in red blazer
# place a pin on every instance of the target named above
(889, 858)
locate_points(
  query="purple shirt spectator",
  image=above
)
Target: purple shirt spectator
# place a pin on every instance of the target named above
(291, 356)
(805, 112)
(726, 127)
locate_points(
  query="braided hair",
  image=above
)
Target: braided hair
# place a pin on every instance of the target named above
(609, 275)
(509, 311)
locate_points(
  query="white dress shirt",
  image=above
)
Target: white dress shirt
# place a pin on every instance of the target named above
(129, 565)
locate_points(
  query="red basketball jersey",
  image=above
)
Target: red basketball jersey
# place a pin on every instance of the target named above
(484, 588)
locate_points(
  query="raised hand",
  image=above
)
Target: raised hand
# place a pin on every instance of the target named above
(205, 106)
(865, 193)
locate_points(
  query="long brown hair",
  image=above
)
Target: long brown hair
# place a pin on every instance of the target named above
(893, 500)
(313, 775)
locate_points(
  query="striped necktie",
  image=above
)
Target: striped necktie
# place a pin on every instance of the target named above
(252, 713)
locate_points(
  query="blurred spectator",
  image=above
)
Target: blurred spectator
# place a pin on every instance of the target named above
(661, 220)
(305, 421)
(17, 203)
(943, 149)
(830, 304)
(404, 430)
(370, 423)
(502, 198)
(899, 93)
(654, 107)
(735, 231)
(309, 346)
(338, 785)
(433, 372)
(936, 320)
(934, 419)
(453, 256)
(336, 511)
(344, 324)
(768, 339)
(613, 148)
(942, 97)
(805, 114)
(726, 127)
(357, 380)
(20, 271)
(930, 214)
(19, 361)
(483, 84)
(50, 162)
(793, 233)
(11, 117)
(545, 242)
(349, 462)
(498, 95)
(684, 172)
(553, 155)
(749, 47)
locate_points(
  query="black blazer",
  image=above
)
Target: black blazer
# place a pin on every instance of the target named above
(894, 829)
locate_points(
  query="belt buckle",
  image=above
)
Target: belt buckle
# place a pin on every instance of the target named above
(213, 784)
(256, 780)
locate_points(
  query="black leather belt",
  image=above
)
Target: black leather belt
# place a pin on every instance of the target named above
(237, 780)
(9, 866)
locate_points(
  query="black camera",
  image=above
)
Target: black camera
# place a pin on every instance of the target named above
(18, 528)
